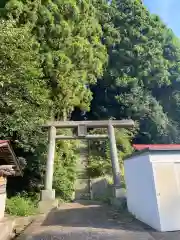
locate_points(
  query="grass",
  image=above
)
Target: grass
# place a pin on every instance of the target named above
(21, 206)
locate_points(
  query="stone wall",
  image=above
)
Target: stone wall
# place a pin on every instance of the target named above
(100, 188)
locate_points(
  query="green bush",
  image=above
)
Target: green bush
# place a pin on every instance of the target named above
(109, 180)
(20, 206)
(99, 153)
(66, 157)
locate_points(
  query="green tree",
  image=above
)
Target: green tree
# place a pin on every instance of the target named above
(24, 98)
(70, 48)
(69, 44)
(71, 54)
(141, 66)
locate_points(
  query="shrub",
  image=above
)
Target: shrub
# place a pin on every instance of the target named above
(20, 206)
(99, 153)
(109, 180)
(65, 167)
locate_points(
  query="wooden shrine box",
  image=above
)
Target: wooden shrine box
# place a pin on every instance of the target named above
(7, 158)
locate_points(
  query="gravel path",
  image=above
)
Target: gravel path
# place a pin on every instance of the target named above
(81, 221)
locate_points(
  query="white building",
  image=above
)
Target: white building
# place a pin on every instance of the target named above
(152, 178)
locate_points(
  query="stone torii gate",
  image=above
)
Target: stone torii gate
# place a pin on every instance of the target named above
(81, 127)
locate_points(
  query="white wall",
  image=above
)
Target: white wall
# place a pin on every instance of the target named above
(166, 156)
(141, 196)
(2, 205)
(166, 170)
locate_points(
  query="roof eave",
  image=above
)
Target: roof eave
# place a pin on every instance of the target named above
(151, 151)
(16, 161)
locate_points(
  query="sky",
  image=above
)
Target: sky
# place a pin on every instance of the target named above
(168, 10)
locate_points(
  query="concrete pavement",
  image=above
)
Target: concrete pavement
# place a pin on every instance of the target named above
(82, 221)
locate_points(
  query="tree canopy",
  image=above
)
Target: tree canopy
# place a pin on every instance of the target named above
(71, 51)
(67, 59)
(142, 65)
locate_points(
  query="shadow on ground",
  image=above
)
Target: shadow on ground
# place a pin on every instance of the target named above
(96, 216)
(54, 235)
(78, 221)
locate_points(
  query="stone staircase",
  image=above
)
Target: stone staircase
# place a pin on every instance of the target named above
(82, 184)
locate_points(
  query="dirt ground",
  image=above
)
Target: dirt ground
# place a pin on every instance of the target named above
(85, 221)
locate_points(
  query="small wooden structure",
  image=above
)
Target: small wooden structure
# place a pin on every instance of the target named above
(8, 160)
(9, 166)
(81, 129)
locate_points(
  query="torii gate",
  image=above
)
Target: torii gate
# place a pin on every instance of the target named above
(81, 127)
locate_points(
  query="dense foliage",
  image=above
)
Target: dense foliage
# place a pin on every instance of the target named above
(142, 78)
(71, 52)
(99, 152)
(65, 167)
(71, 57)
(85, 60)
(21, 206)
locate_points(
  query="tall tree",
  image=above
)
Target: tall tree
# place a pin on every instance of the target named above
(71, 56)
(24, 98)
(143, 62)
(71, 50)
